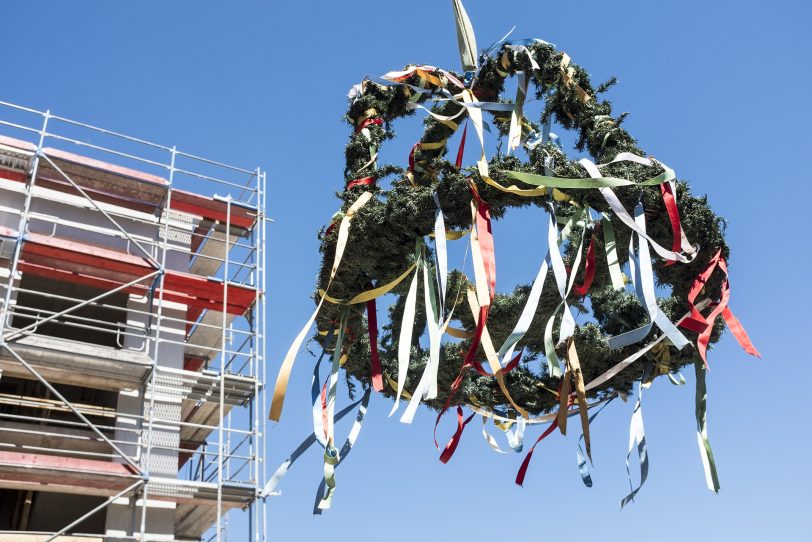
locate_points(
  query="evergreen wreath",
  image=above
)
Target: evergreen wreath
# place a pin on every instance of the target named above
(591, 236)
(382, 239)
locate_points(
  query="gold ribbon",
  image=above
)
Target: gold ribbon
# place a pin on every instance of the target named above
(368, 295)
(568, 72)
(368, 114)
(453, 235)
(475, 114)
(491, 355)
(281, 387)
(573, 373)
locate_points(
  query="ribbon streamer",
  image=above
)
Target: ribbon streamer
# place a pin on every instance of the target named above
(705, 451)
(305, 445)
(637, 435)
(324, 500)
(643, 282)
(374, 360)
(451, 447)
(369, 295)
(583, 468)
(406, 329)
(281, 387)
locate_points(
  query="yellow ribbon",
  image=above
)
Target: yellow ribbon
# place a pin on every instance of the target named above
(475, 114)
(459, 333)
(368, 295)
(281, 387)
(434, 145)
(453, 235)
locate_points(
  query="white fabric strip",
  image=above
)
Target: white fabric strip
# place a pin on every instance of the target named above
(643, 281)
(405, 340)
(441, 253)
(617, 207)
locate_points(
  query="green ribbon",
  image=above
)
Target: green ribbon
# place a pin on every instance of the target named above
(594, 182)
(705, 450)
(330, 451)
(611, 254)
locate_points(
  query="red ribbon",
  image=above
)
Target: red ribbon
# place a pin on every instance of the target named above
(411, 156)
(374, 360)
(467, 363)
(364, 181)
(589, 269)
(673, 215)
(451, 447)
(702, 325)
(509, 367)
(526, 463)
(367, 122)
(485, 235)
(461, 150)
(324, 406)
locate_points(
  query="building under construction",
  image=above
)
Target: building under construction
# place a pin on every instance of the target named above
(132, 351)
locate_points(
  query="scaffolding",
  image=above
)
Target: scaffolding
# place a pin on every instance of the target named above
(132, 352)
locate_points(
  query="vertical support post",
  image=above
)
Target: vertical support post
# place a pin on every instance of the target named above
(157, 341)
(257, 322)
(262, 344)
(23, 224)
(223, 372)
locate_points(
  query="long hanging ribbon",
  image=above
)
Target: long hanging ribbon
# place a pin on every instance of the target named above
(610, 247)
(565, 284)
(705, 451)
(406, 329)
(484, 232)
(643, 281)
(280, 389)
(637, 435)
(574, 373)
(331, 456)
(305, 445)
(467, 362)
(374, 360)
(526, 463)
(427, 387)
(451, 447)
(528, 312)
(325, 493)
(319, 405)
(516, 116)
(491, 355)
(441, 253)
(583, 468)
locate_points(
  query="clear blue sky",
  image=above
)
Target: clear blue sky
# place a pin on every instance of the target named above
(718, 90)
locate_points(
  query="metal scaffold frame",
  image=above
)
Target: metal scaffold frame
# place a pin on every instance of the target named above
(144, 221)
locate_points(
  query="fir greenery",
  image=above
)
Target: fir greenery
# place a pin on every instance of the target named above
(383, 233)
